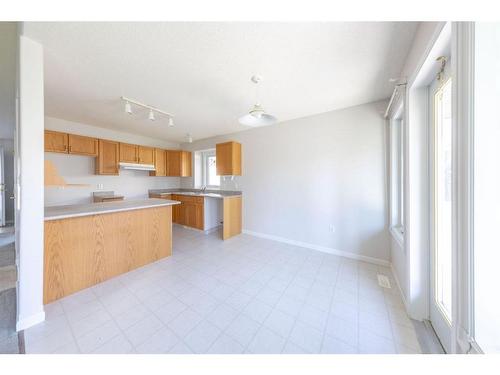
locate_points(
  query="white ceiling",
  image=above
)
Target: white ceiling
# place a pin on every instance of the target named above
(201, 72)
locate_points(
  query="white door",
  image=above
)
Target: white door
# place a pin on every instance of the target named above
(441, 221)
(2, 189)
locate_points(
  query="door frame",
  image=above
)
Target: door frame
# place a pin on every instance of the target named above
(2, 187)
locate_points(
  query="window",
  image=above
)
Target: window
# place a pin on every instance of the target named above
(209, 173)
(397, 173)
(443, 199)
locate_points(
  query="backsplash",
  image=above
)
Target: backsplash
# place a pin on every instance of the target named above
(77, 169)
(231, 183)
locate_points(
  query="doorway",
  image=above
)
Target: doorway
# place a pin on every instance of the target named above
(2, 188)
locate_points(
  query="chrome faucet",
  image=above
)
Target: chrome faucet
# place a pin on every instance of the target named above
(203, 188)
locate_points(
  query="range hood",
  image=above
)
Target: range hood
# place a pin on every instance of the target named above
(137, 166)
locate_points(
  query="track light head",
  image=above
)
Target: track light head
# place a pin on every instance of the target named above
(170, 122)
(128, 108)
(189, 138)
(151, 115)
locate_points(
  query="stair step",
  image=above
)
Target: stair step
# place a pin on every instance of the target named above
(7, 255)
(8, 277)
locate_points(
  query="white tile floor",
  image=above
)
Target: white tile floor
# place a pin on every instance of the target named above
(243, 295)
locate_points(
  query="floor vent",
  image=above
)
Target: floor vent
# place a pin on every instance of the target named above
(383, 281)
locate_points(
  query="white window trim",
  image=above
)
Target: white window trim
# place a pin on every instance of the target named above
(398, 234)
(396, 118)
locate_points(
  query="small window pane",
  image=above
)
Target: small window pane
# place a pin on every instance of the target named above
(212, 178)
(443, 204)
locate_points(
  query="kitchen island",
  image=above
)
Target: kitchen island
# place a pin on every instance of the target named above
(87, 244)
(194, 210)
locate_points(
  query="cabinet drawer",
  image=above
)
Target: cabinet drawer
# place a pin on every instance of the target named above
(160, 196)
(188, 199)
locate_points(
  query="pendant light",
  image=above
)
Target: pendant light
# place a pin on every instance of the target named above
(257, 116)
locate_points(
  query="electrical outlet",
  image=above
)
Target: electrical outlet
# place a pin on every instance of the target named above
(332, 228)
(100, 186)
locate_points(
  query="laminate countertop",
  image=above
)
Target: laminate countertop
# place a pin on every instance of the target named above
(76, 210)
(221, 194)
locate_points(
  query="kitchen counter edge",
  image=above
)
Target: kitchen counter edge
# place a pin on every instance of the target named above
(78, 210)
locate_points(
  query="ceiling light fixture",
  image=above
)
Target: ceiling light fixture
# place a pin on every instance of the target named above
(128, 108)
(257, 116)
(152, 110)
(189, 138)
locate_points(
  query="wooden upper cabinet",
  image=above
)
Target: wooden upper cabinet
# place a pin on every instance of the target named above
(179, 163)
(56, 142)
(160, 163)
(173, 163)
(81, 145)
(108, 158)
(186, 164)
(228, 159)
(129, 153)
(146, 155)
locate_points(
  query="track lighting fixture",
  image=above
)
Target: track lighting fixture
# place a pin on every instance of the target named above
(189, 138)
(153, 111)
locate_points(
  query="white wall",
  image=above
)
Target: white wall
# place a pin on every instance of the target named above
(29, 210)
(487, 186)
(302, 176)
(77, 169)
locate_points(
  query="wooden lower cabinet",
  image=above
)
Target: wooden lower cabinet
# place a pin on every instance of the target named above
(83, 251)
(190, 212)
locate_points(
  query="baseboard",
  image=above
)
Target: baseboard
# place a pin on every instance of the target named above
(30, 321)
(212, 230)
(323, 249)
(395, 276)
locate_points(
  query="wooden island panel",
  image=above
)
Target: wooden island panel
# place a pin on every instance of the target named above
(232, 220)
(83, 251)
